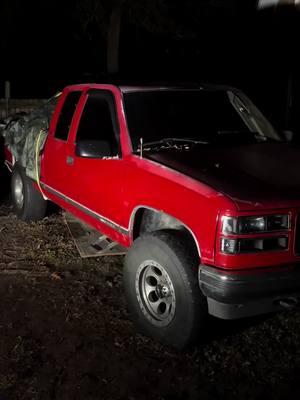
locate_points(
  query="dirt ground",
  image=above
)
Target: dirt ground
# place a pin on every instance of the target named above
(65, 333)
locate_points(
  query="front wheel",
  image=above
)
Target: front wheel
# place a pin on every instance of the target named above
(162, 290)
(28, 202)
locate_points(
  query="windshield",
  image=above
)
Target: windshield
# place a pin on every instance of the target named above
(205, 116)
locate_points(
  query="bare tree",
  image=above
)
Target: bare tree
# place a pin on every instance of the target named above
(104, 19)
(113, 37)
(172, 18)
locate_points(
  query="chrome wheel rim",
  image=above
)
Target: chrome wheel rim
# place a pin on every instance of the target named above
(18, 191)
(155, 293)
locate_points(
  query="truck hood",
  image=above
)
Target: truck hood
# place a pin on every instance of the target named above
(265, 175)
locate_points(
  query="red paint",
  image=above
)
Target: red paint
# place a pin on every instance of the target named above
(115, 188)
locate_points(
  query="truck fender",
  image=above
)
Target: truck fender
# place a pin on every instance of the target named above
(146, 219)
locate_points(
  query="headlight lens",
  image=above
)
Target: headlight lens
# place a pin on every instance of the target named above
(278, 222)
(255, 224)
(256, 245)
(252, 224)
(229, 246)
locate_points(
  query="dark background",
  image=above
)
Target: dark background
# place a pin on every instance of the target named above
(46, 45)
(64, 328)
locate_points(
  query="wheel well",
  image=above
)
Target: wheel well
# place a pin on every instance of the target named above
(147, 221)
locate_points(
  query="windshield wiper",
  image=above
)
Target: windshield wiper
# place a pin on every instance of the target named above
(171, 143)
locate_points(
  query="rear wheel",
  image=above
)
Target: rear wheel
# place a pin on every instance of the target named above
(162, 290)
(28, 202)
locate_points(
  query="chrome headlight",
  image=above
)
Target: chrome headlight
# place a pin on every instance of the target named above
(255, 224)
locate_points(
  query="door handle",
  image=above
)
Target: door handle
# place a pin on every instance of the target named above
(70, 160)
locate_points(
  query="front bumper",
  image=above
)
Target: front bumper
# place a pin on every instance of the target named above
(238, 294)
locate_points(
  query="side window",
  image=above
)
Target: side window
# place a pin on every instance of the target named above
(66, 115)
(98, 120)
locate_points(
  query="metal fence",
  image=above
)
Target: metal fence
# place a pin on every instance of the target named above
(13, 106)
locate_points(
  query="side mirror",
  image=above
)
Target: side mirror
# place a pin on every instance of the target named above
(93, 149)
(289, 135)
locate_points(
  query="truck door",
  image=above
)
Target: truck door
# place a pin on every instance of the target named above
(96, 176)
(55, 160)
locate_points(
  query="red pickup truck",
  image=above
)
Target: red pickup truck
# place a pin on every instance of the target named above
(193, 180)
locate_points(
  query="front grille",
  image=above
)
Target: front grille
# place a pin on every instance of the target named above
(297, 236)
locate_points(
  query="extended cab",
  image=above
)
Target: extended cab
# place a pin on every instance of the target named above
(194, 181)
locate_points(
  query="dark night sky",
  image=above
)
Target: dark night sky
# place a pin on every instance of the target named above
(48, 44)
